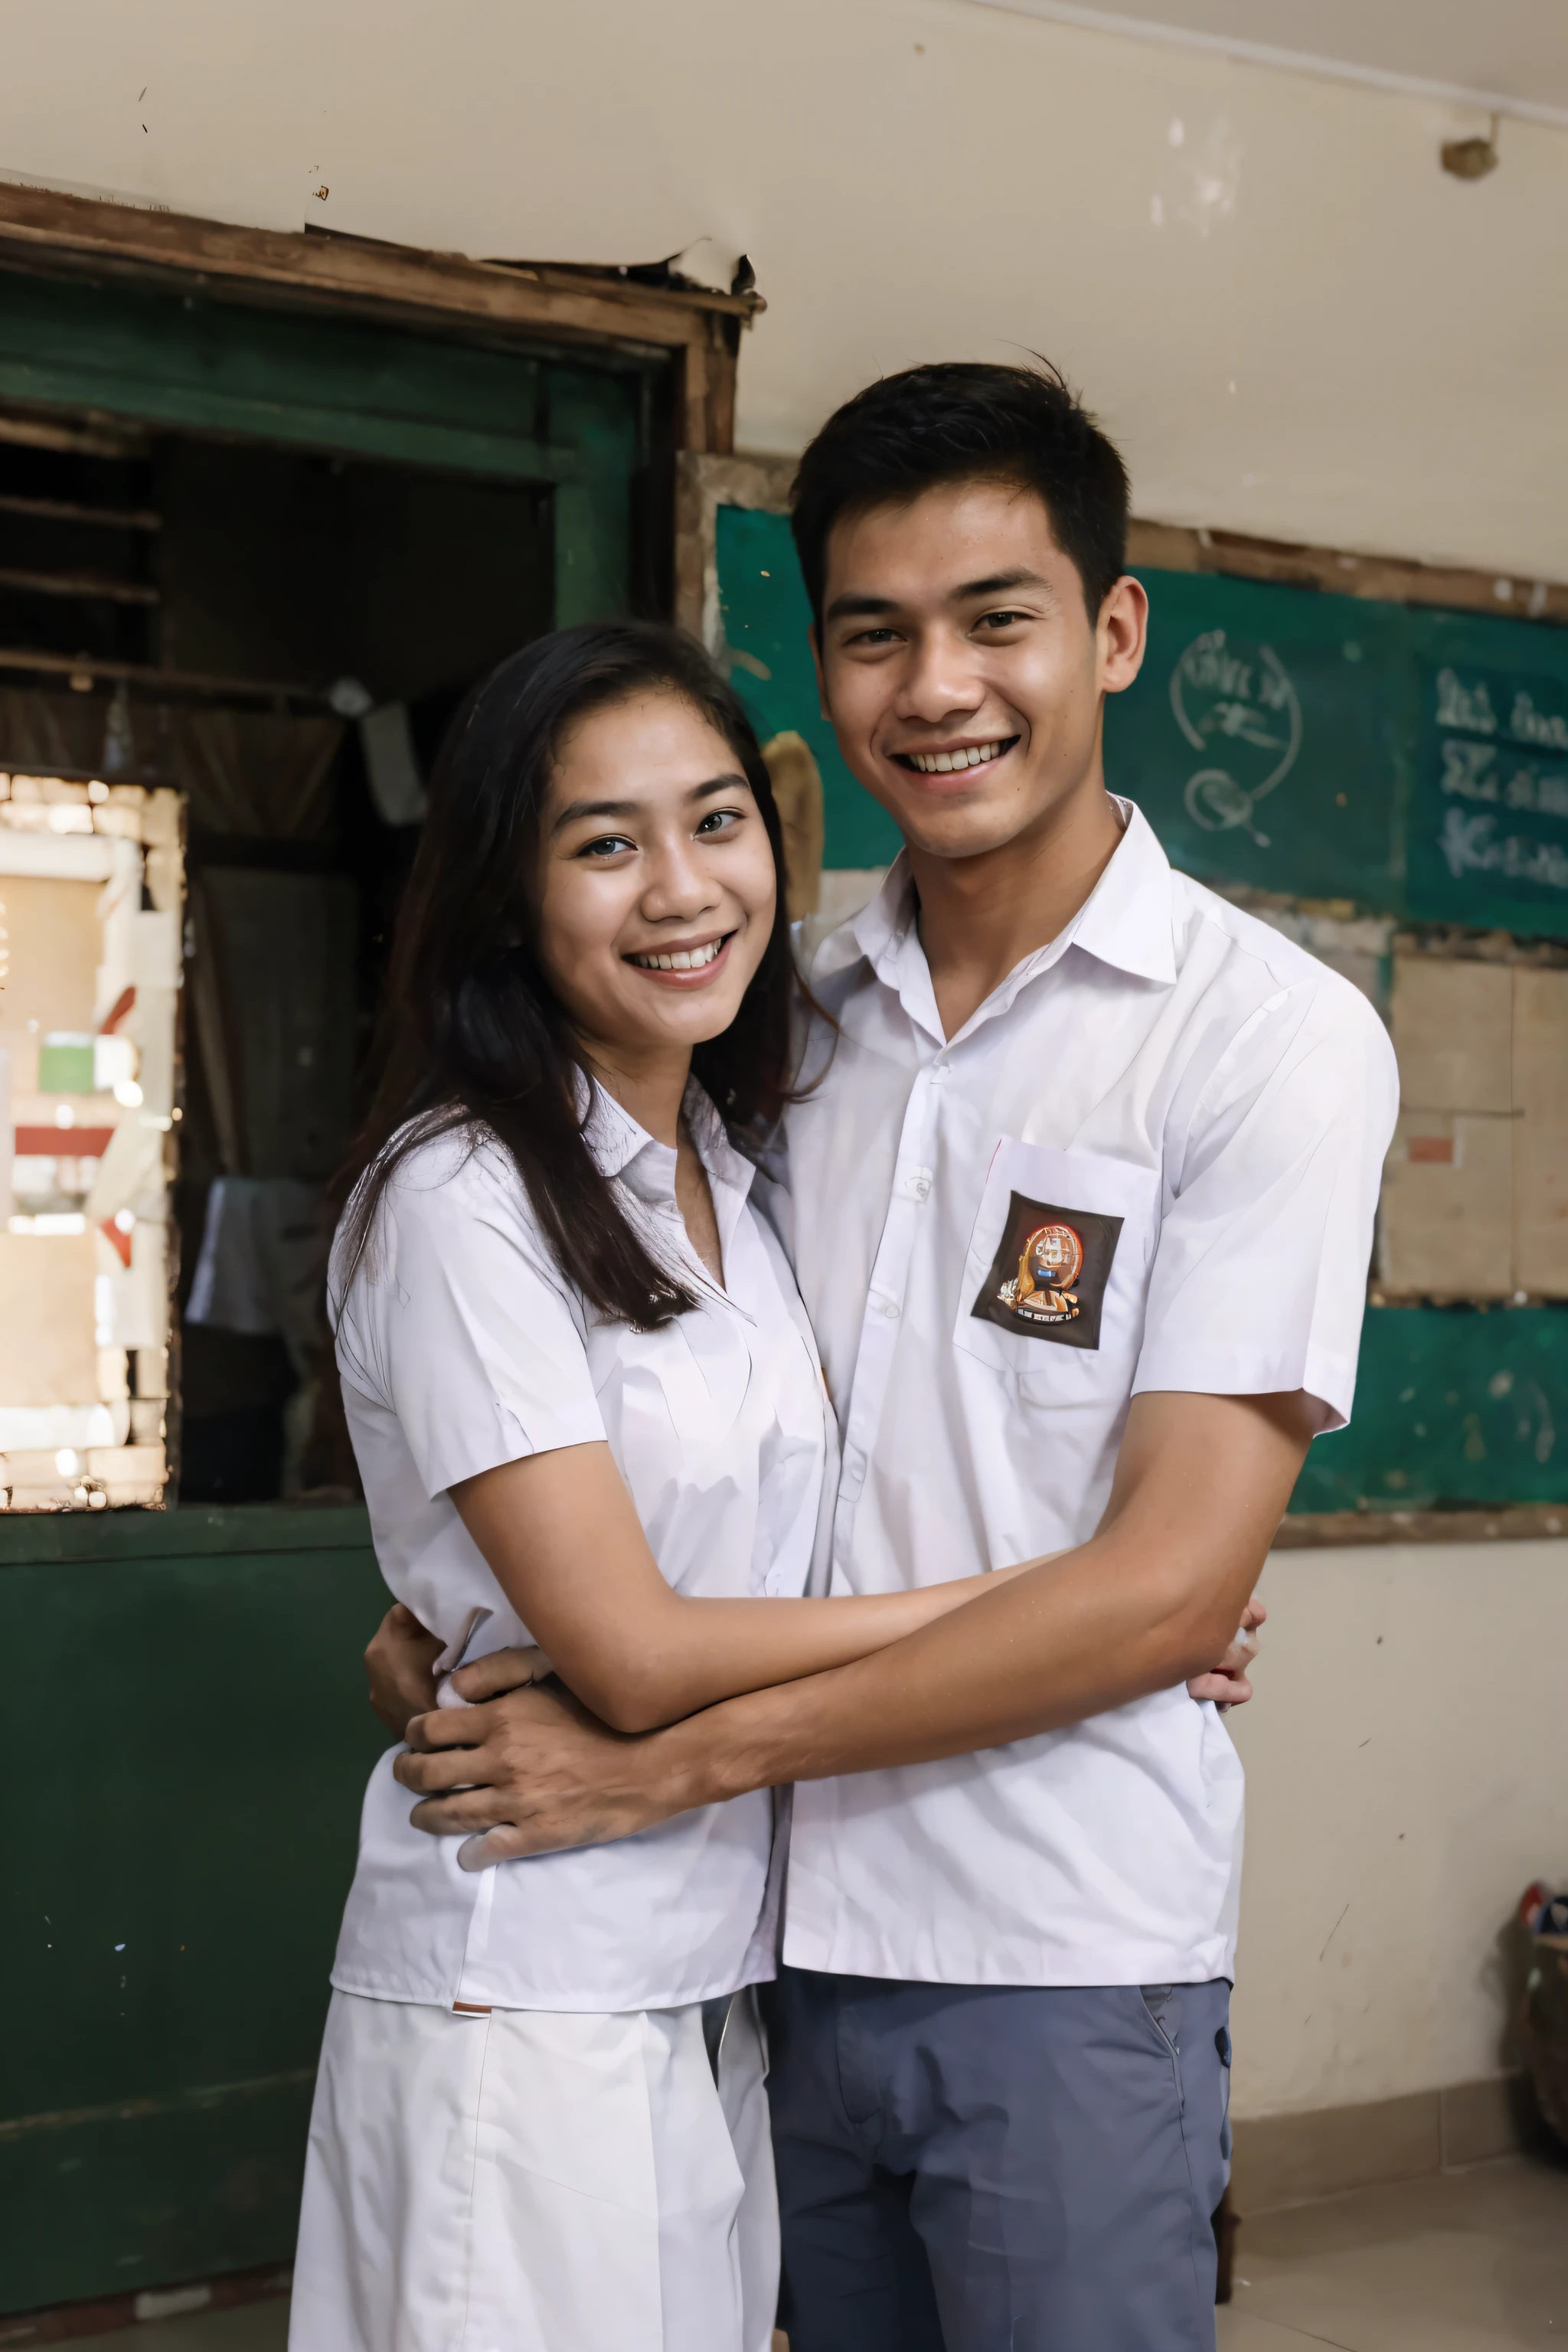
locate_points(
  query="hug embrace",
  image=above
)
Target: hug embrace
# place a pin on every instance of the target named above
(822, 1432)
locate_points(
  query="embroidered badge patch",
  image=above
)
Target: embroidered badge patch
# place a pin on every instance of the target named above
(1049, 1277)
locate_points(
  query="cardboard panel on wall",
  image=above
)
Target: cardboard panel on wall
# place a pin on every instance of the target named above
(1540, 1143)
(1452, 1029)
(1447, 1198)
(54, 949)
(91, 1014)
(50, 1354)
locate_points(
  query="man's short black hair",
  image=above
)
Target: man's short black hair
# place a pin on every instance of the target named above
(961, 421)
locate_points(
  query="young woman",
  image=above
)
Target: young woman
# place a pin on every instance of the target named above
(588, 1413)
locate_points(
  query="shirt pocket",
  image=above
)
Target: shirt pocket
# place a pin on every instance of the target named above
(1056, 1272)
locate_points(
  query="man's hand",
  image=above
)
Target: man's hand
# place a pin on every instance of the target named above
(1228, 1684)
(398, 1664)
(1200, 1487)
(529, 1772)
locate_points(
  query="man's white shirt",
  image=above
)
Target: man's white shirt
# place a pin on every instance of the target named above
(1150, 1160)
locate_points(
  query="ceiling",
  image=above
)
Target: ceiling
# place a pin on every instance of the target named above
(1507, 55)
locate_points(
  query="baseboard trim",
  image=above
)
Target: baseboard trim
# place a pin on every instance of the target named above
(1291, 2159)
(63, 2322)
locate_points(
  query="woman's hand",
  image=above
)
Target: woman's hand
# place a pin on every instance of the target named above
(497, 1672)
(398, 1665)
(1228, 1684)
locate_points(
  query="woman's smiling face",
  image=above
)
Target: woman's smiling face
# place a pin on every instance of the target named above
(656, 886)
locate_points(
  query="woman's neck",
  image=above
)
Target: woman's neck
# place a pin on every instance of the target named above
(652, 1088)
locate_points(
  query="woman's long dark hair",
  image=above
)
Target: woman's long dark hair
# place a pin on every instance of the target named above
(478, 1039)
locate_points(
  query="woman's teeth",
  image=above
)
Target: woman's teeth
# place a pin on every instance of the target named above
(681, 959)
(942, 763)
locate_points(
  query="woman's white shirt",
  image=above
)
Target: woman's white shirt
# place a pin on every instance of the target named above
(463, 1345)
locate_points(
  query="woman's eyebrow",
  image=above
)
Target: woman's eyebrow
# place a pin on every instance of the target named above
(575, 809)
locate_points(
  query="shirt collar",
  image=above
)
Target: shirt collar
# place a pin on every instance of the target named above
(622, 1147)
(1127, 920)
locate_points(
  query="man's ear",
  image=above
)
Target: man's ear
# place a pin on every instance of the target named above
(1121, 634)
(813, 640)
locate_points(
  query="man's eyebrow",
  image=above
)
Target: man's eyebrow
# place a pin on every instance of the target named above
(576, 810)
(858, 608)
(995, 584)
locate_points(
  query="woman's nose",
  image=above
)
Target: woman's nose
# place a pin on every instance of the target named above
(678, 883)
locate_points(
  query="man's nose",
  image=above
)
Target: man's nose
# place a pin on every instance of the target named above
(941, 681)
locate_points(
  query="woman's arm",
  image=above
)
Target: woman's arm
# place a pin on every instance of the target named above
(564, 1544)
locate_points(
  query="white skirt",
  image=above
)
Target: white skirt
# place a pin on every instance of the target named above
(536, 2181)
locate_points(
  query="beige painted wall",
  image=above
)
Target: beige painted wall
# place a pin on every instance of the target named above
(1405, 1782)
(1295, 323)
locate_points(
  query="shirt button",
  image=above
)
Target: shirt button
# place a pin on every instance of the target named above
(918, 1184)
(888, 1307)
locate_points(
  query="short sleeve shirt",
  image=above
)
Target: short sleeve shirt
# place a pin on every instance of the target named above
(463, 1345)
(1149, 1160)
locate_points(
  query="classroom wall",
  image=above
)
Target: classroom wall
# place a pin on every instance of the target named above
(1296, 326)
(1295, 323)
(1405, 1784)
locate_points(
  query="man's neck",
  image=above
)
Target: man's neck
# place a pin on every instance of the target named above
(980, 917)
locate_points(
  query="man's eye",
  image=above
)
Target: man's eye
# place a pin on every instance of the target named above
(1003, 620)
(872, 637)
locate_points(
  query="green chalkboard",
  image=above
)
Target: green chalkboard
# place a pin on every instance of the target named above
(1488, 819)
(1455, 1406)
(767, 620)
(1412, 762)
(1268, 738)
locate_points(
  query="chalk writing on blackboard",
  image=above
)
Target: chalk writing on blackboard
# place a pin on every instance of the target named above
(1495, 743)
(1236, 699)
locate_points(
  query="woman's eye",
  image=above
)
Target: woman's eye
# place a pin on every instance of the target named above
(608, 845)
(719, 821)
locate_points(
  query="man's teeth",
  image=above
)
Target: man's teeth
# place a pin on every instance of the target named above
(942, 763)
(681, 959)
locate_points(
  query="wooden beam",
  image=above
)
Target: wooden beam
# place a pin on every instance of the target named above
(41, 229)
(78, 584)
(101, 518)
(1388, 579)
(156, 682)
(1509, 1523)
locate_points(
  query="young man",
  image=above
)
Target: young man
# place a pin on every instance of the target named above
(1082, 1212)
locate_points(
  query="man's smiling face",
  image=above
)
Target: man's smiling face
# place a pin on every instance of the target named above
(961, 669)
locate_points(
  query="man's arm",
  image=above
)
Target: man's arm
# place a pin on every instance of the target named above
(1154, 1597)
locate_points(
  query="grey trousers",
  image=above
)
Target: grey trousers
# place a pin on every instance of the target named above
(972, 2169)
